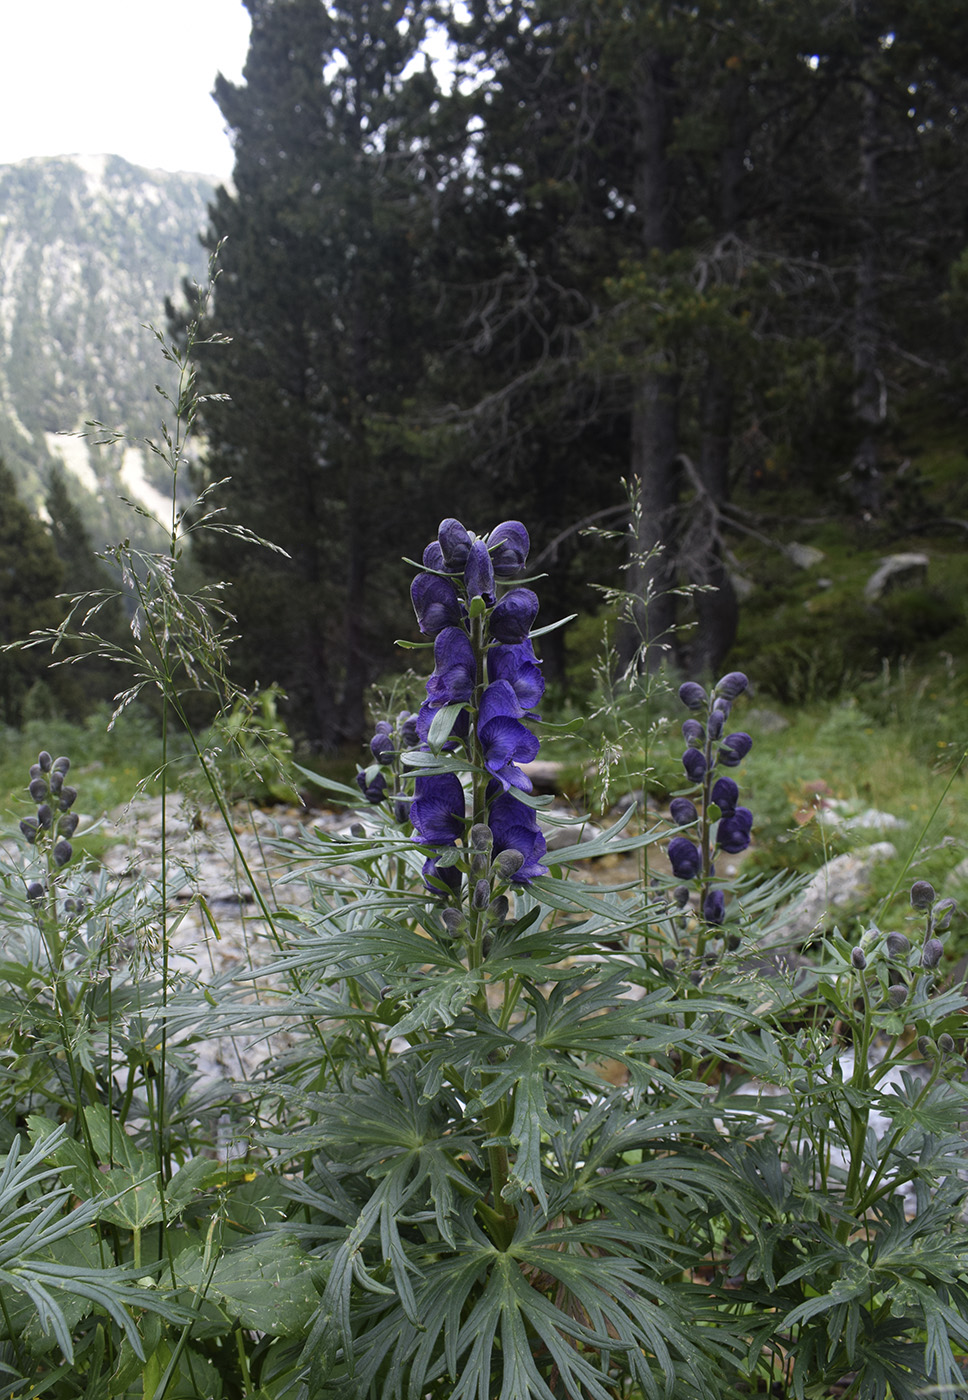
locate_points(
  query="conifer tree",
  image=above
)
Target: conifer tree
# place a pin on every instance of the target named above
(319, 292)
(32, 576)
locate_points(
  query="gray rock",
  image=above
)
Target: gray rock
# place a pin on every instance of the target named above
(834, 889)
(763, 721)
(896, 571)
(803, 555)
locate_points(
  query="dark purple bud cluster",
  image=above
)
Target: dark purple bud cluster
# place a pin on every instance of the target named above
(488, 680)
(54, 798)
(388, 742)
(721, 822)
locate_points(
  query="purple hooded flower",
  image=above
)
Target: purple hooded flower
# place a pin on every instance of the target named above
(735, 748)
(694, 762)
(437, 810)
(692, 695)
(435, 603)
(733, 832)
(448, 875)
(517, 665)
(433, 557)
(425, 718)
(515, 828)
(722, 705)
(693, 733)
(508, 544)
(683, 811)
(455, 672)
(714, 907)
(732, 685)
(504, 739)
(373, 788)
(407, 730)
(724, 794)
(715, 723)
(381, 745)
(511, 620)
(684, 857)
(479, 573)
(455, 545)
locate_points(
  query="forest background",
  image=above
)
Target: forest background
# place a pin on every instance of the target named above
(715, 251)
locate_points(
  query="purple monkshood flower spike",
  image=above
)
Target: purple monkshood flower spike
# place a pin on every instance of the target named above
(455, 672)
(505, 741)
(682, 811)
(519, 667)
(508, 544)
(514, 827)
(733, 832)
(438, 809)
(511, 620)
(692, 695)
(694, 762)
(735, 748)
(684, 857)
(479, 573)
(455, 545)
(724, 794)
(435, 603)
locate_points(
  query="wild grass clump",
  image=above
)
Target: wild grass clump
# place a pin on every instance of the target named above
(517, 1134)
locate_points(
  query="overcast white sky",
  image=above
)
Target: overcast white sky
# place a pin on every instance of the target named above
(131, 78)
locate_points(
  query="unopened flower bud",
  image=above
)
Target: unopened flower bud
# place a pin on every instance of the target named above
(498, 911)
(945, 1043)
(60, 765)
(56, 781)
(63, 852)
(732, 685)
(714, 907)
(926, 1047)
(858, 959)
(68, 796)
(897, 996)
(942, 913)
(692, 695)
(35, 890)
(358, 830)
(481, 837)
(35, 770)
(681, 895)
(932, 952)
(401, 810)
(44, 759)
(922, 894)
(508, 863)
(44, 816)
(29, 828)
(693, 733)
(67, 824)
(715, 724)
(898, 946)
(453, 921)
(481, 897)
(732, 942)
(38, 789)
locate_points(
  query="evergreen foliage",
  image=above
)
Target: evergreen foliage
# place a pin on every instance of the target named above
(320, 291)
(32, 575)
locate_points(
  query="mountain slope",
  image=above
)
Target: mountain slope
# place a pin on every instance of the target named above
(90, 247)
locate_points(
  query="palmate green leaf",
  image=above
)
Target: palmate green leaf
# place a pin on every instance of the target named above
(438, 1005)
(490, 1320)
(267, 1284)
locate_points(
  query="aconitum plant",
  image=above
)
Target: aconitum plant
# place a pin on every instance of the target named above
(480, 699)
(721, 824)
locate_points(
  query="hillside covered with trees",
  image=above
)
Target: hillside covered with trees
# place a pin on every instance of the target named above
(715, 250)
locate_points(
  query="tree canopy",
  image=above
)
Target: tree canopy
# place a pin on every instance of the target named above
(682, 245)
